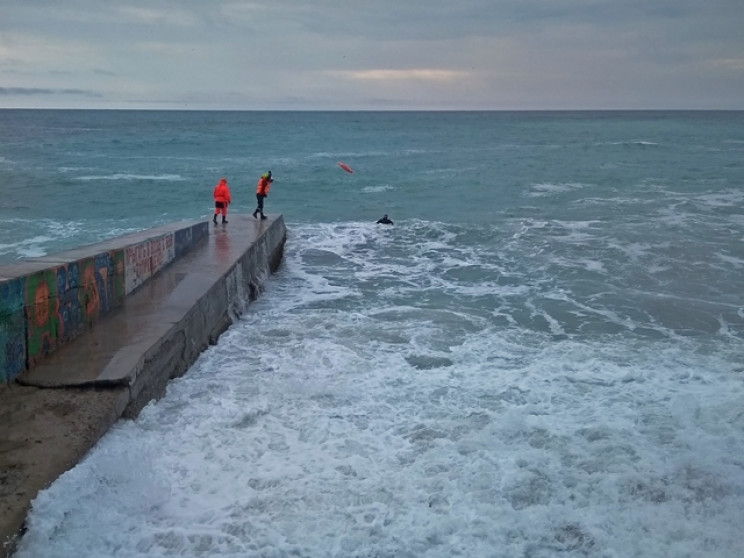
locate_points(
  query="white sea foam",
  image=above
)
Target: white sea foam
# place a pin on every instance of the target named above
(547, 188)
(25, 242)
(637, 251)
(545, 362)
(73, 169)
(377, 189)
(731, 198)
(346, 415)
(128, 176)
(30, 250)
(575, 232)
(738, 263)
(630, 143)
(36, 237)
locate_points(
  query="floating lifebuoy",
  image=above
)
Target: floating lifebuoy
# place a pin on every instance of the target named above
(344, 166)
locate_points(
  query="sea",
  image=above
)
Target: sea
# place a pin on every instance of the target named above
(541, 357)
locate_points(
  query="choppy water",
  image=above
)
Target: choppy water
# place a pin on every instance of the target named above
(542, 357)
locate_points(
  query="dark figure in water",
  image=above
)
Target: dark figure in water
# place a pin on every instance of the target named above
(384, 220)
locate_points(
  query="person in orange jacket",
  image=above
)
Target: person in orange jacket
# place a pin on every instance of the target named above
(262, 192)
(221, 200)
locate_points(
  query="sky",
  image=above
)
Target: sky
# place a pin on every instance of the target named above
(372, 54)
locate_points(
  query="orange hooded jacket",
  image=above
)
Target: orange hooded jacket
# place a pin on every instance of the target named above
(222, 192)
(264, 183)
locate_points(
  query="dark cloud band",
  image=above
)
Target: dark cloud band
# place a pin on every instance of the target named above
(7, 91)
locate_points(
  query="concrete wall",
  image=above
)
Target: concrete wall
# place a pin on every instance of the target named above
(48, 301)
(163, 322)
(209, 315)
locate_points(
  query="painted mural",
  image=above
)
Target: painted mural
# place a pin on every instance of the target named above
(146, 258)
(42, 310)
(63, 301)
(12, 329)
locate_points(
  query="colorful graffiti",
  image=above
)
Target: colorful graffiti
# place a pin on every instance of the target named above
(145, 259)
(44, 309)
(42, 306)
(12, 329)
(63, 301)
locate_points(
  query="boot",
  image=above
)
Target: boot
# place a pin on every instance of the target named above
(263, 216)
(214, 219)
(224, 221)
(255, 213)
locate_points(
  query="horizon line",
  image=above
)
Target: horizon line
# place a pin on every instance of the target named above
(174, 109)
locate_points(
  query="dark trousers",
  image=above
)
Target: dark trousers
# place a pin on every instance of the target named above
(260, 200)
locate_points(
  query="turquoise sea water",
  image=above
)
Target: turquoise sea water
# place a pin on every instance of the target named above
(542, 357)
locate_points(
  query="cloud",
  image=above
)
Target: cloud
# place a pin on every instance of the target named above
(160, 48)
(731, 63)
(31, 52)
(148, 16)
(29, 91)
(420, 74)
(391, 53)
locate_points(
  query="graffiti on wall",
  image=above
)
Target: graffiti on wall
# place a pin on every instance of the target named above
(63, 301)
(40, 311)
(42, 308)
(162, 252)
(145, 259)
(12, 329)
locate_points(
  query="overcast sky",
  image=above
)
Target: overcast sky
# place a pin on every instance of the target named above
(372, 54)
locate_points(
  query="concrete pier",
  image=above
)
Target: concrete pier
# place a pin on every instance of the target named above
(53, 412)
